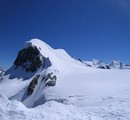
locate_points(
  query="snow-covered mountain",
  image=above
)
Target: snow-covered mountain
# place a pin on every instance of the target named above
(69, 89)
(1, 73)
(35, 69)
(115, 64)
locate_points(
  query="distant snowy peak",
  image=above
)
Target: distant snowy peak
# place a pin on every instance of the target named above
(115, 64)
(96, 63)
(99, 64)
(1, 73)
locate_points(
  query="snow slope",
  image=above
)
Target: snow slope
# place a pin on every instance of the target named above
(105, 95)
(80, 93)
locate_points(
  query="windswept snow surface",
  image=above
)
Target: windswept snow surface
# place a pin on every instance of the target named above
(90, 95)
(81, 92)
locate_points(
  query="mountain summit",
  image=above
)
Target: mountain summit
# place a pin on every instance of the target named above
(41, 73)
(36, 68)
(47, 83)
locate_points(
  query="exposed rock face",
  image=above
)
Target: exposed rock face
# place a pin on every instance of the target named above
(50, 80)
(80, 60)
(29, 58)
(104, 66)
(32, 85)
(28, 62)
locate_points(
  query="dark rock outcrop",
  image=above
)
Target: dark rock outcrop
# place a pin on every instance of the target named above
(50, 80)
(27, 63)
(32, 85)
(80, 60)
(30, 59)
(104, 66)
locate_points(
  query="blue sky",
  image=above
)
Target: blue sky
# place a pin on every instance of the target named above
(86, 29)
